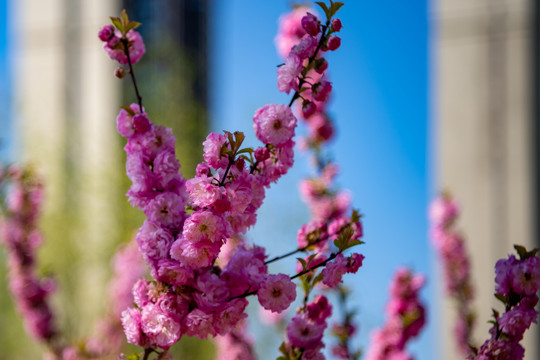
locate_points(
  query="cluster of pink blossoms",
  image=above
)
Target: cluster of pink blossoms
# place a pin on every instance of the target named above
(517, 284)
(406, 318)
(21, 237)
(302, 40)
(193, 295)
(451, 248)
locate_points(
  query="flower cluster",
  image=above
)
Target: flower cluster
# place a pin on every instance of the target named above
(302, 40)
(192, 295)
(121, 42)
(20, 235)
(451, 248)
(406, 318)
(517, 284)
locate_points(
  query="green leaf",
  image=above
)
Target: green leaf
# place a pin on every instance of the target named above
(355, 216)
(521, 251)
(124, 17)
(334, 8)
(317, 279)
(245, 150)
(118, 24)
(132, 25)
(303, 262)
(324, 8)
(501, 298)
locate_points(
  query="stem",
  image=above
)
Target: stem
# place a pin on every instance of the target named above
(222, 182)
(296, 250)
(330, 258)
(147, 352)
(132, 74)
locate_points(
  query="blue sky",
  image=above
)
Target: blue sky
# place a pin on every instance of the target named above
(5, 80)
(380, 105)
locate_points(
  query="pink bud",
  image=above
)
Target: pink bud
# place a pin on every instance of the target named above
(310, 23)
(308, 108)
(240, 163)
(119, 73)
(113, 42)
(321, 65)
(336, 25)
(262, 154)
(321, 90)
(141, 123)
(106, 32)
(333, 43)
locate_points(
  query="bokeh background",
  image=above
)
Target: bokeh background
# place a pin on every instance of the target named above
(428, 95)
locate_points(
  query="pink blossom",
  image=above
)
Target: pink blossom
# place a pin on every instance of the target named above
(304, 49)
(161, 328)
(303, 332)
(274, 124)
(515, 322)
(334, 271)
(213, 145)
(525, 276)
(212, 292)
(195, 255)
(230, 315)
(115, 49)
(131, 321)
(106, 32)
(277, 292)
(154, 241)
(200, 324)
(124, 121)
(319, 309)
(290, 30)
(288, 73)
(172, 272)
(310, 23)
(205, 225)
(166, 209)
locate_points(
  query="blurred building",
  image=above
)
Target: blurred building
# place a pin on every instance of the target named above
(486, 68)
(65, 104)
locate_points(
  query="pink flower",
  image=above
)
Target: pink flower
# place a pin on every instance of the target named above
(288, 73)
(106, 32)
(154, 241)
(334, 271)
(515, 322)
(303, 332)
(172, 272)
(166, 209)
(277, 292)
(274, 124)
(200, 324)
(115, 49)
(290, 30)
(230, 315)
(161, 328)
(205, 225)
(525, 276)
(310, 23)
(131, 322)
(124, 121)
(195, 255)
(213, 145)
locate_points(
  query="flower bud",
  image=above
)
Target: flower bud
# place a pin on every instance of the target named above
(141, 123)
(321, 90)
(336, 25)
(262, 154)
(310, 23)
(333, 43)
(321, 65)
(119, 72)
(106, 32)
(308, 108)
